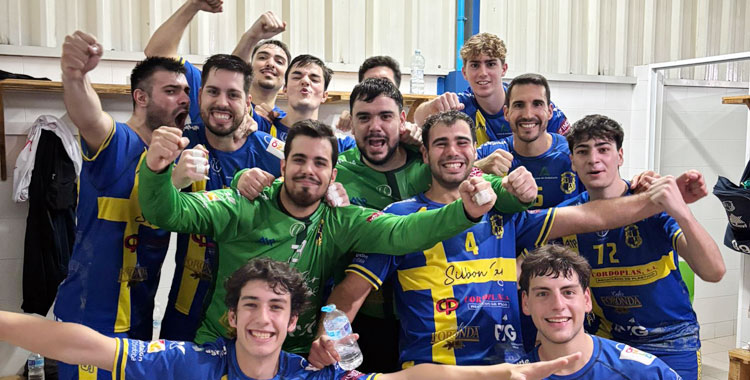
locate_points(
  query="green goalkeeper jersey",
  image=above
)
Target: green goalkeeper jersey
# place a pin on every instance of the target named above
(246, 229)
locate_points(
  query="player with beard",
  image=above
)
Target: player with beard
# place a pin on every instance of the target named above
(224, 103)
(458, 300)
(268, 59)
(288, 222)
(546, 155)
(265, 299)
(307, 81)
(556, 294)
(379, 172)
(114, 269)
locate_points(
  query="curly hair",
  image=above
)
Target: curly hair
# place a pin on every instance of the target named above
(486, 43)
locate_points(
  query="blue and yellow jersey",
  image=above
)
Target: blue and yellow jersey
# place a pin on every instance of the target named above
(495, 127)
(616, 361)
(114, 269)
(551, 169)
(458, 301)
(638, 294)
(165, 359)
(278, 129)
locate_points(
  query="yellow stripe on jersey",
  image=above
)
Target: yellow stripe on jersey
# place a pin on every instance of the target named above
(225, 377)
(481, 124)
(634, 275)
(549, 220)
(366, 274)
(104, 145)
(195, 257)
(273, 132)
(128, 211)
(605, 326)
(439, 276)
(676, 236)
(123, 359)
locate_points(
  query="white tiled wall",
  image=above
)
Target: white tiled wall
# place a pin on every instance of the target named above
(698, 133)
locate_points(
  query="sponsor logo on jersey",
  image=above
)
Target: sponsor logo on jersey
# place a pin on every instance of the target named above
(728, 205)
(266, 241)
(543, 172)
(156, 346)
(496, 222)
(319, 233)
(487, 300)
(202, 240)
(736, 221)
(201, 269)
(602, 234)
(215, 165)
(446, 305)
(131, 275)
(568, 182)
(632, 329)
(296, 228)
(621, 302)
(352, 375)
(276, 148)
(633, 236)
(505, 332)
(374, 216)
(360, 201)
(179, 346)
(137, 350)
(212, 196)
(385, 190)
(634, 354)
(455, 339)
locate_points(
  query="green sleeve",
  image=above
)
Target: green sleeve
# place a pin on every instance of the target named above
(236, 178)
(506, 202)
(372, 231)
(208, 213)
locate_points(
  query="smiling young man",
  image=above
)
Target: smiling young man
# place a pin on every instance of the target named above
(484, 66)
(288, 221)
(555, 286)
(307, 81)
(114, 270)
(639, 296)
(546, 155)
(265, 299)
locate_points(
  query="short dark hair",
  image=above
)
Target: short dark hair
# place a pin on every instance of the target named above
(595, 127)
(279, 276)
(448, 118)
(371, 88)
(314, 129)
(140, 77)
(230, 63)
(303, 60)
(275, 43)
(378, 61)
(554, 260)
(530, 78)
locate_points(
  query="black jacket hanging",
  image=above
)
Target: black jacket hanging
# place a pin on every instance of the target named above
(736, 202)
(50, 226)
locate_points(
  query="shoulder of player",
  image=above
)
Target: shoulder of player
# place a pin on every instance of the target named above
(628, 359)
(405, 207)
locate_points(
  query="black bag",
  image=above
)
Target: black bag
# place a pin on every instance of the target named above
(736, 202)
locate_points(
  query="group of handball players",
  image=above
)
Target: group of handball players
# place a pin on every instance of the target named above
(489, 238)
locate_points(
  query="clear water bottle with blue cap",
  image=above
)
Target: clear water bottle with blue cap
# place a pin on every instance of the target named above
(339, 330)
(35, 362)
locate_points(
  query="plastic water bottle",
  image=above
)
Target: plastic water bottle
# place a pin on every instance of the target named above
(417, 73)
(36, 367)
(339, 330)
(157, 316)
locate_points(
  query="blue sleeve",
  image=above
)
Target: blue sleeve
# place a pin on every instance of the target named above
(671, 228)
(263, 124)
(193, 76)
(164, 359)
(487, 148)
(533, 228)
(346, 143)
(114, 156)
(558, 123)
